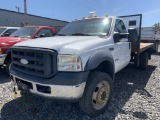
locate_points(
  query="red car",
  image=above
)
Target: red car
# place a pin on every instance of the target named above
(24, 33)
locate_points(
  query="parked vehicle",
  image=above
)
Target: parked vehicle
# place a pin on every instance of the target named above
(6, 31)
(24, 33)
(79, 64)
(151, 35)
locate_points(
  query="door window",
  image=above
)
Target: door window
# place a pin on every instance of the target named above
(120, 26)
(10, 31)
(45, 33)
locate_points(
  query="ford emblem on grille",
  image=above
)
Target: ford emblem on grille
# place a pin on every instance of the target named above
(24, 61)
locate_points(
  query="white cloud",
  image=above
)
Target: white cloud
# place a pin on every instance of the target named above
(116, 10)
(152, 12)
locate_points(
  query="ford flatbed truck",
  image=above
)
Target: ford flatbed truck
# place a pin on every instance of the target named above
(22, 34)
(79, 64)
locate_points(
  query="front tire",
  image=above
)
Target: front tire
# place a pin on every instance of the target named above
(97, 94)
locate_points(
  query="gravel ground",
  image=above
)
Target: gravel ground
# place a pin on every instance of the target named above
(136, 96)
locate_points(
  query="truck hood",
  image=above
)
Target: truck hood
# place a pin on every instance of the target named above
(11, 40)
(64, 44)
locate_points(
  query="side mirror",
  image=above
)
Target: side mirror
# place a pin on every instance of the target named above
(124, 35)
(42, 35)
(116, 37)
(55, 34)
(6, 34)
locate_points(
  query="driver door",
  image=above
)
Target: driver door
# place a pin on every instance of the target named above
(121, 53)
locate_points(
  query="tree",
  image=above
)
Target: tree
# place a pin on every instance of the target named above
(157, 25)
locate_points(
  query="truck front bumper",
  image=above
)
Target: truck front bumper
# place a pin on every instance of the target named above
(64, 85)
(2, 58)
(72, 92)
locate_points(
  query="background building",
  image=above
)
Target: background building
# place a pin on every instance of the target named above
(16, 19)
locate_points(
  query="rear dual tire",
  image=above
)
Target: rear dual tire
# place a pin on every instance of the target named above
(155, 47)
(143, 60)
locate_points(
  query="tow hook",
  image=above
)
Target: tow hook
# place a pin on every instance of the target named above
(16, 92)
(13, 84)
(19, 88)
(23, 88)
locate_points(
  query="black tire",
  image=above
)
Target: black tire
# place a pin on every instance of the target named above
(155, 50)
(143, 60)
(8, 65)
(155, 47)
(86, 102)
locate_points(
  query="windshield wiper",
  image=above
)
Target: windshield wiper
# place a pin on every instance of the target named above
(61, 34)
(81, 34)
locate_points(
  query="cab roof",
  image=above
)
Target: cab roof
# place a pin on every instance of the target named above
(87, 18)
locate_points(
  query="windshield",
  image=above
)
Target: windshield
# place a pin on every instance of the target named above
(1, 30)
(26, 32)
(88, 27)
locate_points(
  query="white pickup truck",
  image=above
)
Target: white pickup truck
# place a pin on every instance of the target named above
(6, 31)
(79, 64)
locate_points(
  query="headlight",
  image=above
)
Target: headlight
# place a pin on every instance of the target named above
(69, 63)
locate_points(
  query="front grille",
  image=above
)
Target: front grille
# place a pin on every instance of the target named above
(40, 62)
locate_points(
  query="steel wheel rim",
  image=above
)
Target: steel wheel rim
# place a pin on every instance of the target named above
(101, 95)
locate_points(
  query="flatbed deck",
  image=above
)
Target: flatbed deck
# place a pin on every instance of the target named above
(145, 46)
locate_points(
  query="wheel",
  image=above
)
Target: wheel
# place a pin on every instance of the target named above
(97, 94)
(143, 60)
(155, 47)
(8, 65)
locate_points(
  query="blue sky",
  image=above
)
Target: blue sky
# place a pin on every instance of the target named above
(69, 10)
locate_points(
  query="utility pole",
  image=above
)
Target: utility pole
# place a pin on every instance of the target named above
(25, 11)
(25, 7)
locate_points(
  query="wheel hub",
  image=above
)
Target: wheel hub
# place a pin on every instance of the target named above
(101, 95)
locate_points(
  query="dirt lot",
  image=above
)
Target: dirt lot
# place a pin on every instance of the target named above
(136, 96)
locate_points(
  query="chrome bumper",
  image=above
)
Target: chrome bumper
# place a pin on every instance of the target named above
(57, 91)
(2, 58)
